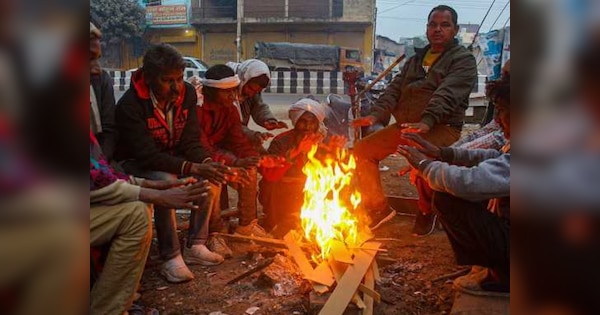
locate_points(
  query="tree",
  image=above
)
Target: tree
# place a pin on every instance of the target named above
(120, 20)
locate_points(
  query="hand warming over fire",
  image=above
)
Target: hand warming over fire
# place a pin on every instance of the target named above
(415, 127)
(306, 144)
(335, 142)
(215, 172)
(239, 176)
(251, 161)
(168, 183)
(423, 145)
(262, 136)
(271, 161)
(275, 124)
(414, 157)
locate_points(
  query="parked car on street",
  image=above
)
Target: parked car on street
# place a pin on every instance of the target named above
(191, 64)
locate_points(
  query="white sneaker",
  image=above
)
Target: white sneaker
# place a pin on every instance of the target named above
(217, 244)
(200, 255)
(252, 229)
(175, 270)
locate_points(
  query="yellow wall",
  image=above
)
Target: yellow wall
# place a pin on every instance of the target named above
(216, 48)
(219, 48)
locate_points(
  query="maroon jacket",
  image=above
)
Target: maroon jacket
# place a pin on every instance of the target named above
(221, 133)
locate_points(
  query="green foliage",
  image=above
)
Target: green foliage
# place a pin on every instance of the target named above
(121, 19)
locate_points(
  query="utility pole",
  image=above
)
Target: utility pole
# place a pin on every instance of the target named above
(238, 37)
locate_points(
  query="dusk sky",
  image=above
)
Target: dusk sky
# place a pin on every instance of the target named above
(405, 18)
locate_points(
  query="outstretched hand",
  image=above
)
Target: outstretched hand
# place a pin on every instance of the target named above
(412, 155)
(415, 127)
(260, 137)
(178, 197)
(215, 172)
(168, 183)
(363, 121)
(423, 145)
(275, 124)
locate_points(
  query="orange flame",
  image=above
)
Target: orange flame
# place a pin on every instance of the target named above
(330, 202)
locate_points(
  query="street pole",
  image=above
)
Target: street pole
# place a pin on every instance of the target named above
(238, 37)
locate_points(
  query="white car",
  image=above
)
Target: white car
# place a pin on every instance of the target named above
(191, 64)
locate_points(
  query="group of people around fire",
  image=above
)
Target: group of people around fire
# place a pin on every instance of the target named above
(170, 144)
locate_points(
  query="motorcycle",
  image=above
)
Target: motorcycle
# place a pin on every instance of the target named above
(340, 115)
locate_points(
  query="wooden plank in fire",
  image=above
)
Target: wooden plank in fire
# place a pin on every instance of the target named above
(322, 274)
(370, 284)
(347, 285)
(339, 269)
(376, 275)
(291, 241)
(340, 252)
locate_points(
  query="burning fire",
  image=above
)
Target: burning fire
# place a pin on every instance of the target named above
(328, 213)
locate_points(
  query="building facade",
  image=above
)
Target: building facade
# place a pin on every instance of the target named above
(347, 23)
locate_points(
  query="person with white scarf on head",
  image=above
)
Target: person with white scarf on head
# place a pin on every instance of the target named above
(281, 188)
(255, 77)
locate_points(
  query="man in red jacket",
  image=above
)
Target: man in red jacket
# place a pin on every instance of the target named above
(159, 140)
(222, 134)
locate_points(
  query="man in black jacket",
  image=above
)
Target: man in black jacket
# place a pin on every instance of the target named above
(429, 96)
(102, 98)
(158, 139)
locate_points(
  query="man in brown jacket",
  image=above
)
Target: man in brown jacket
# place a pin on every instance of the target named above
(429, 96)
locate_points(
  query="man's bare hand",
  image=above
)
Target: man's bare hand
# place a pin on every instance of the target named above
(251, 161)
(275, 124)
(364, 121)
(271, 161)
(214, 172)
(415, 127)
(169, 183)
(240, 176)
(260, 137)
(412, 155)
(423, 145)
(178, 197)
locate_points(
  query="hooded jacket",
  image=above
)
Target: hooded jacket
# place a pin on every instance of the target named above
(439, 96)
(145, 137)
(221, 133)
(253, 107)
(474, 175)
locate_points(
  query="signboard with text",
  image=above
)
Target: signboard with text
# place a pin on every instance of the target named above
(166, 14)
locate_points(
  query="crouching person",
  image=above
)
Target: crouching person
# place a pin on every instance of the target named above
(281, 189)
(472, 199)
(120, 216)
(159, 140)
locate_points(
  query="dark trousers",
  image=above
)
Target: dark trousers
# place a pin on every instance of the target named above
(477, 236)
(166, 222)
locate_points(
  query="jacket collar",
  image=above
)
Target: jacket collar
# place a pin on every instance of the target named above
(420, 52)
(142, 90)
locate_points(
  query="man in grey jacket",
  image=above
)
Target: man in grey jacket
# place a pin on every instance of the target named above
(429, 96)
(472, 198)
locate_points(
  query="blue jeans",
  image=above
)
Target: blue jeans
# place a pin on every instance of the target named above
(165, 221)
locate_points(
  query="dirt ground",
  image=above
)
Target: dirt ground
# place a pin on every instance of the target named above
(407, 285)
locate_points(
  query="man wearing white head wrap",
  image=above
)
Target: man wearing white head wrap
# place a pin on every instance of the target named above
(255, 77)
(281, 188)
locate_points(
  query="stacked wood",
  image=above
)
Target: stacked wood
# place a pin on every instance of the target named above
(348, 275)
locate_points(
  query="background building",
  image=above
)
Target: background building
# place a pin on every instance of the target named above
(347, 23)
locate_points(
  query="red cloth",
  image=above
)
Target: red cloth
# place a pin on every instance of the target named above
(221, 133)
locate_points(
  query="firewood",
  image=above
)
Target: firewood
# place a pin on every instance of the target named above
(262, 265)
(261, 240)
(349, 282)
(370, 284)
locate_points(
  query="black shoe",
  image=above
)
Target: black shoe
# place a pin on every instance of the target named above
(378, 218)
(424, 224)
